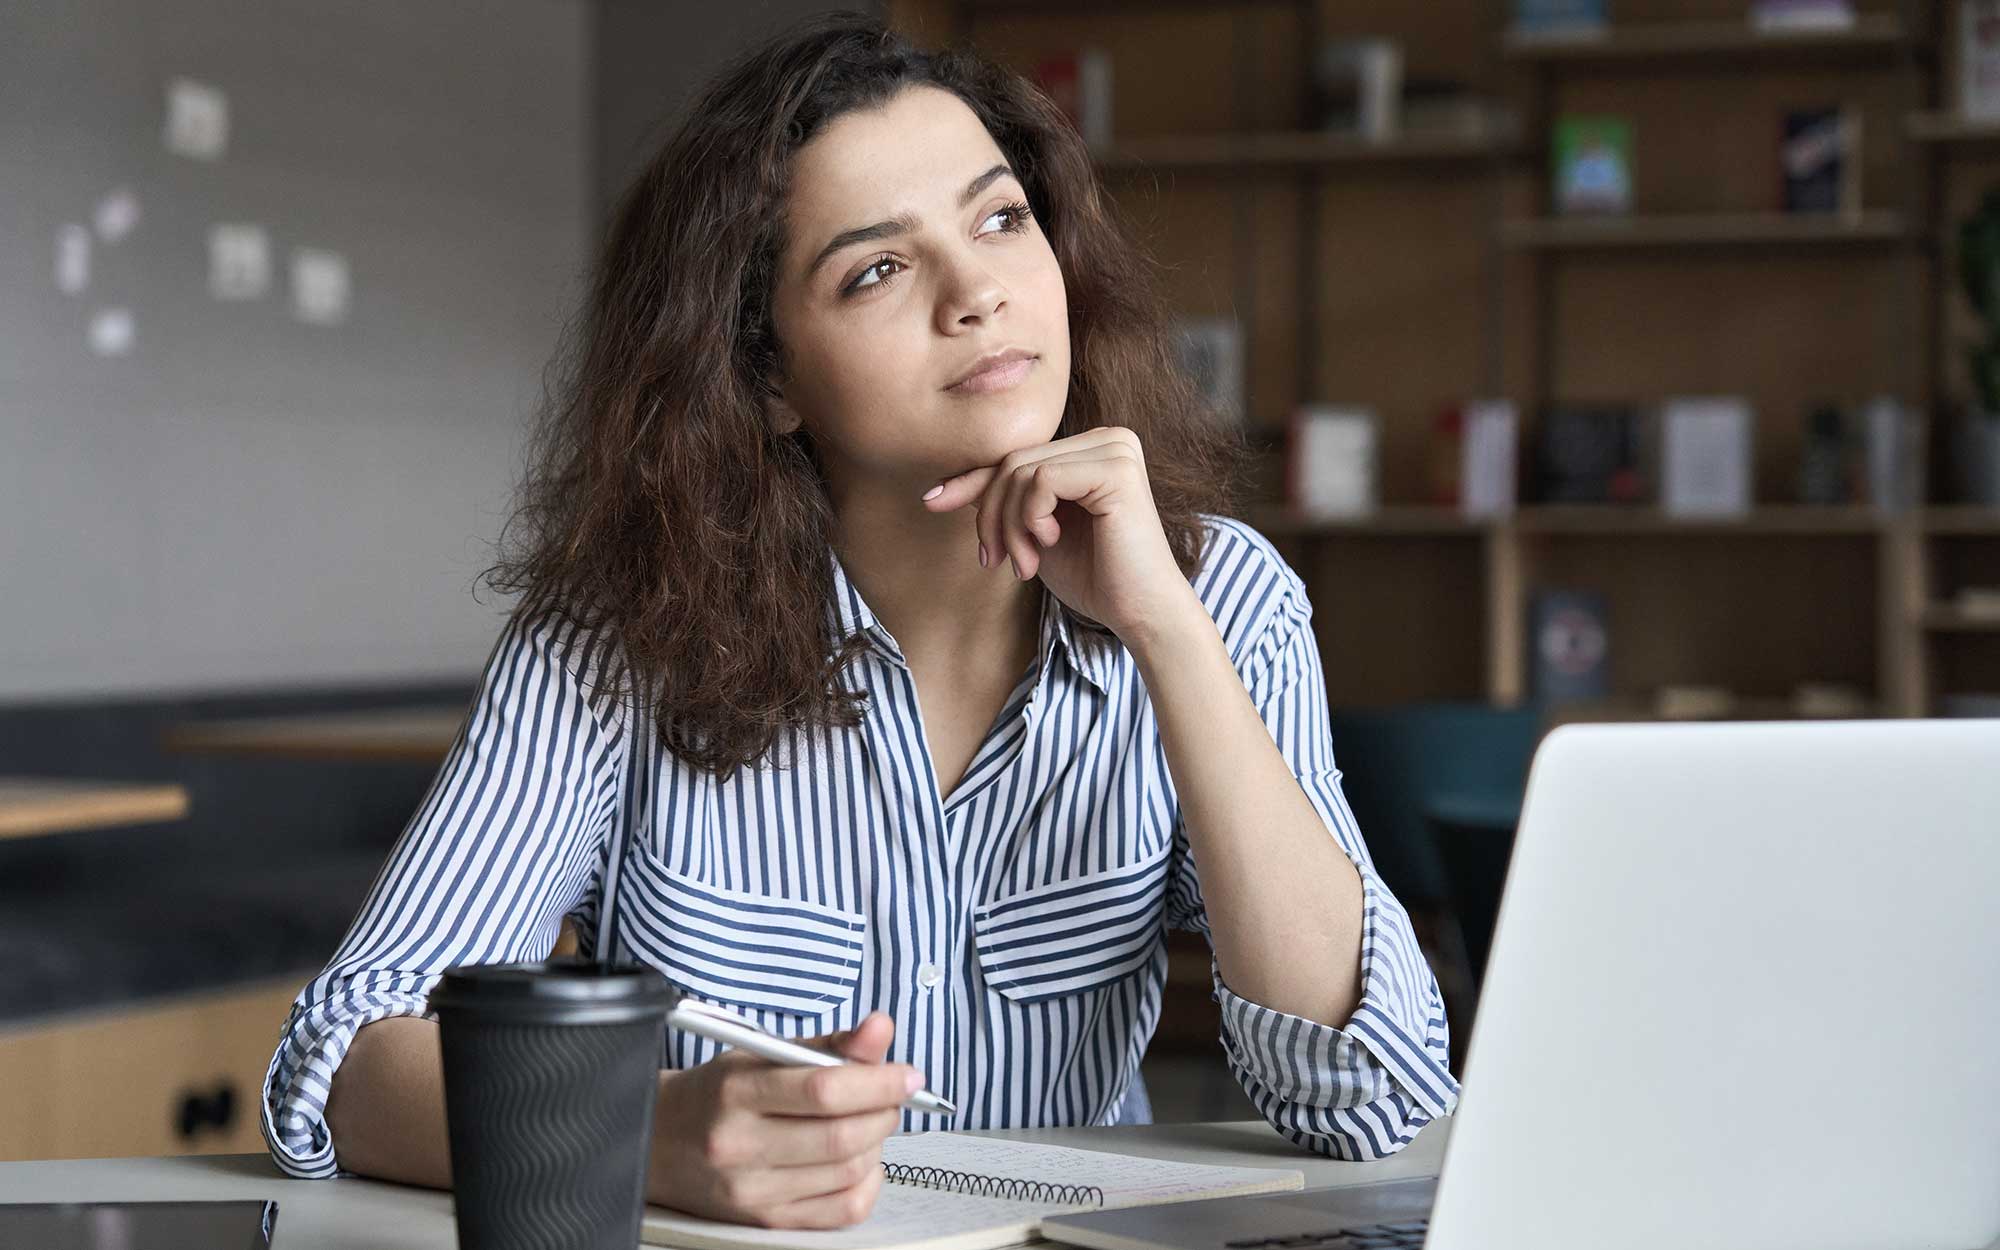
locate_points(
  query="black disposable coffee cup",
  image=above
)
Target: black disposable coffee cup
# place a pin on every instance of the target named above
(550, 1070)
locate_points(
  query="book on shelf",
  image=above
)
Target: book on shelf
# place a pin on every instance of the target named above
(954, 1191)
(1332, 460)
(1488, 439)
(1782, 15)
(1569, 636)
(1707, 447)
(1591, 453)
(1560, 18)
(1819, 160)
(1892, 439)
(1360, 85)
(1979, 60)
(1593, 164)
(1080, 84)
(1210, 349)
(1831, 470)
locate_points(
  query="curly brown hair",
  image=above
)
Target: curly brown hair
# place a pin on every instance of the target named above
(666, 524)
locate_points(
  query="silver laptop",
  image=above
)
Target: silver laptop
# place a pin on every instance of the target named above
(1744, 992)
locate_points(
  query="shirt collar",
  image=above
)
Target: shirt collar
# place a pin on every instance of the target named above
(850, 614)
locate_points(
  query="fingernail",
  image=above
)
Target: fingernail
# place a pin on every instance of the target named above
(934, 491)
(982, 555)
(1015, 565)
(913, 1082)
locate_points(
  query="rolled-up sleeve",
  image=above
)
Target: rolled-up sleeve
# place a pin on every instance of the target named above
(1361, 1091)
(506, 842)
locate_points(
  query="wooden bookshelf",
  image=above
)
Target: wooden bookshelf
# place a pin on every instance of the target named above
(1707, 230)
(1425, 270)
(1642, 45)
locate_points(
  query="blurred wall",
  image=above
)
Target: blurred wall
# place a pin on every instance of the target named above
(652, 55)
(246, 499)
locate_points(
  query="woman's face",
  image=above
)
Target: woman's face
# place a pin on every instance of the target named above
(876, 330)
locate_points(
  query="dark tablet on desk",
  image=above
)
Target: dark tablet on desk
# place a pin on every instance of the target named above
(241, 1225)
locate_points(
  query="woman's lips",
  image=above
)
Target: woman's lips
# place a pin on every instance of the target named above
(998, 378)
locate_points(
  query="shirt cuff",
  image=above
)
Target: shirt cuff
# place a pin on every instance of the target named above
(315, 1041)
(1395, 1039)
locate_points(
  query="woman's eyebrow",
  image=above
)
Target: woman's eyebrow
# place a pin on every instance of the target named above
(902, 223)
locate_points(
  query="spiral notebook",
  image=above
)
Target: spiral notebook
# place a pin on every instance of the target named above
(953, 1191)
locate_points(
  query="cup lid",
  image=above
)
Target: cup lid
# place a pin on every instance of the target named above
(566, 989)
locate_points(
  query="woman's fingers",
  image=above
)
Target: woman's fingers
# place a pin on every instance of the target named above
(796, 1141)
(768, 1189)
(986, 487)
(831, 1210)
(1029, 507)
(850, 1089)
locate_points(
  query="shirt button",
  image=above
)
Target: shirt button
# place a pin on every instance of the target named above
(928, 975)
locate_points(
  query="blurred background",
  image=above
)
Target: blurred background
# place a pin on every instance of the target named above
(1609, 359)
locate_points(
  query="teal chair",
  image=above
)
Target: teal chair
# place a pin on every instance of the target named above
(1436, 789)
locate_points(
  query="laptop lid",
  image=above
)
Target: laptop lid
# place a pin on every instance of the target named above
(1744, 992)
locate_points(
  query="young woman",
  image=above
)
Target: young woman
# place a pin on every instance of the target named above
(884, 667)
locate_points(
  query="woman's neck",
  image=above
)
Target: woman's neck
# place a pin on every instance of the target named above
(919, 573)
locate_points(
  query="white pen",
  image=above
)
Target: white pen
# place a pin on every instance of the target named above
(720, 1025)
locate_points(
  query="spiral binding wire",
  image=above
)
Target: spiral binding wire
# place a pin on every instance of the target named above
(994, 1186)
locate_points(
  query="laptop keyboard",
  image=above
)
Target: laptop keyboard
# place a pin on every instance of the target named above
(1408, 1235)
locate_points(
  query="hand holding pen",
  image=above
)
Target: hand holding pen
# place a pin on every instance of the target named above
(745, 1139)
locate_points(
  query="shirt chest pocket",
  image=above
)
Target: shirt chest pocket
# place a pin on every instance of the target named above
(1072, 935)
(760, 952)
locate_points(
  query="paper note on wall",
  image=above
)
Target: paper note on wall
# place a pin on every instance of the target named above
(111, 332)
(72, 259)
(239, 262)
(319, 286)
(197, 119)
(116, 214)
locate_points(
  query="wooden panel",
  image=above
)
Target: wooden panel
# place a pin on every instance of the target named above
(1398, 334)
(112, 1084)
(240, 1036)
(27, 1095)
(1398, 617)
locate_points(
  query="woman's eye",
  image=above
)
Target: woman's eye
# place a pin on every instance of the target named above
(1017, 217)
(859, 285)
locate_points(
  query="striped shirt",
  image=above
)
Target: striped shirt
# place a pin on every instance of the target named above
(1013, 929)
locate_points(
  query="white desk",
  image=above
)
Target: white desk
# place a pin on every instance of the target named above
(356, 1214)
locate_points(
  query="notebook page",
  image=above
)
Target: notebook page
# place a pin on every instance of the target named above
(914, 1217)
(1127, 1180)
(904, 1216)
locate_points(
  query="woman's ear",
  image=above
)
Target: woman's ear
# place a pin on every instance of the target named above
(784, 420)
